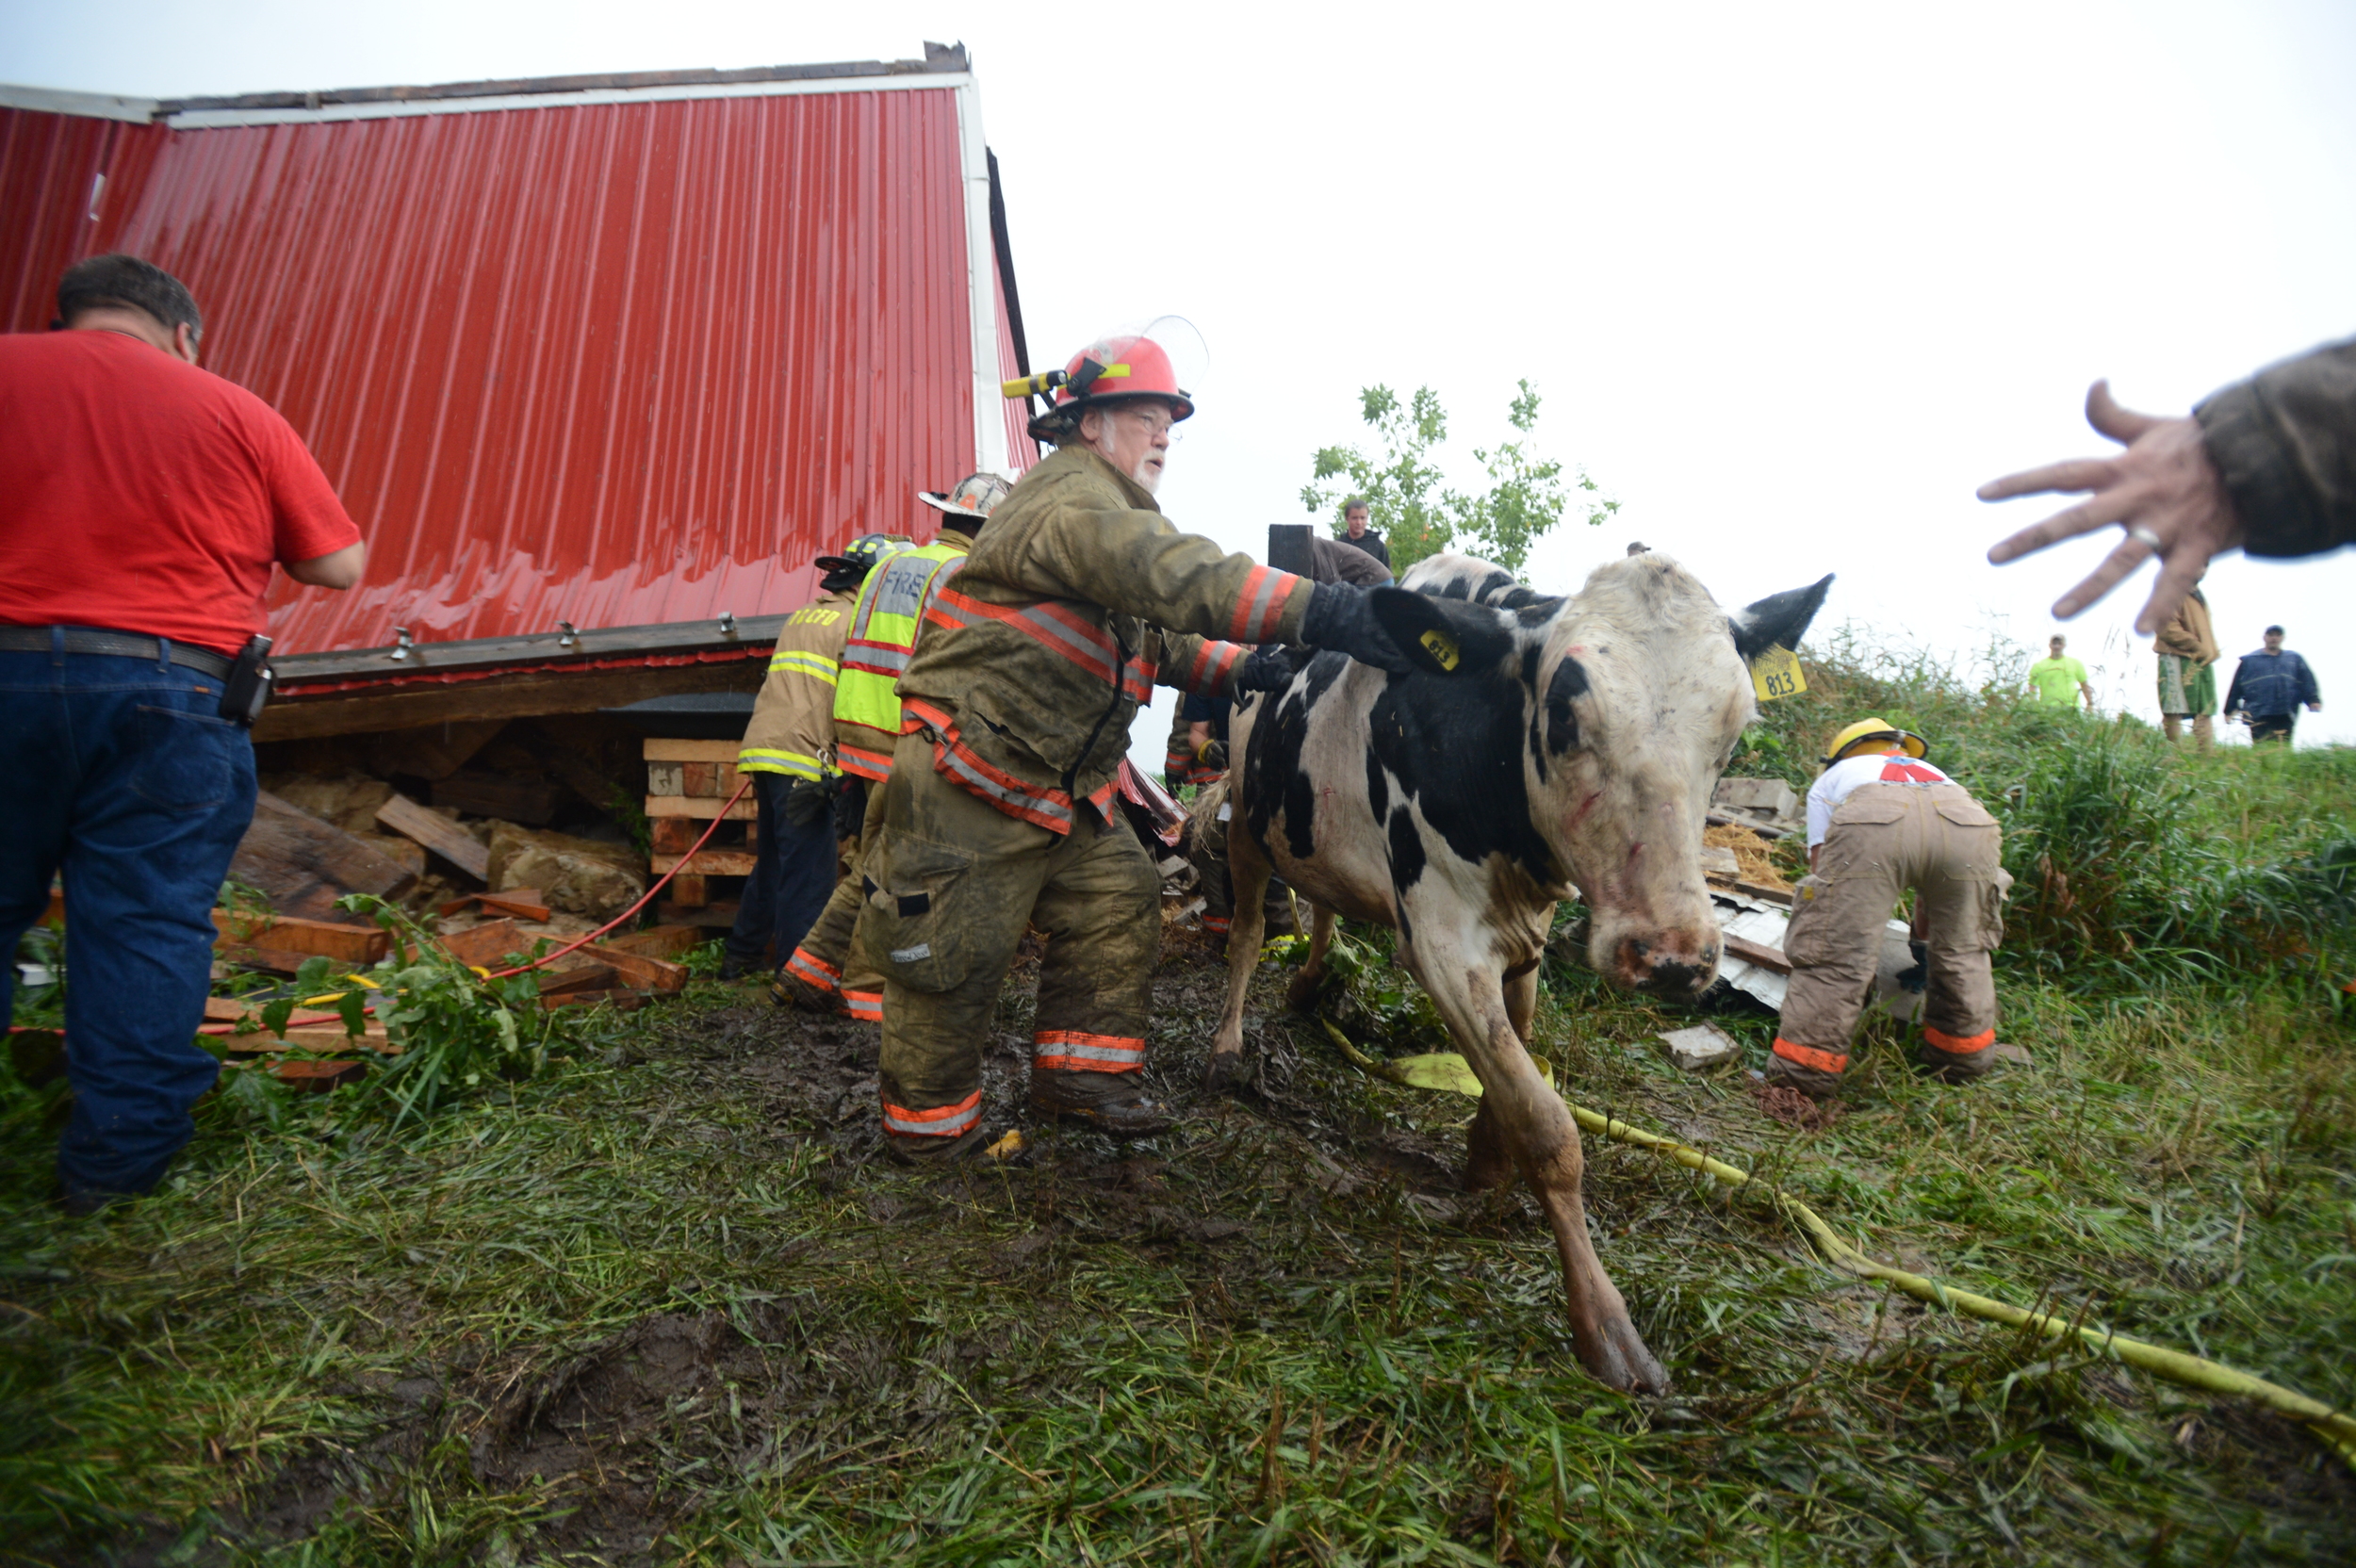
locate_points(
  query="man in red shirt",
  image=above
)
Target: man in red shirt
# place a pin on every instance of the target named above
(143, 503)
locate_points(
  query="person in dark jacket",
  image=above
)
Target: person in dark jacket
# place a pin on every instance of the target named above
(1356, 515)
(2268, 686)
(2266, 466)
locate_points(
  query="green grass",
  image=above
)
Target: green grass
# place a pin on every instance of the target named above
(662, 1303)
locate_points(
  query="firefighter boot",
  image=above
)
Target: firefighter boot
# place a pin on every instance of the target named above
(1112, 1102)
(1954, 1067)
(1813, 1081)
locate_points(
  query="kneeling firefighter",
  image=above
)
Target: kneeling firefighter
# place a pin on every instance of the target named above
(1880, 820)
(883, 631)
(1016, 710)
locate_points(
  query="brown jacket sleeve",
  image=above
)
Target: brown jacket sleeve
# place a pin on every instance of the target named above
(2286, 442)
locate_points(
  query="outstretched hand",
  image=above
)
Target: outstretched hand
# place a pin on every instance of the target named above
(2164, 482)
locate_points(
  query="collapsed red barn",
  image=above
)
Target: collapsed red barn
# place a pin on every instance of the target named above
(599, 365)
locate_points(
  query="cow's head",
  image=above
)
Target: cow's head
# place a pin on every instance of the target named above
(1632, 694)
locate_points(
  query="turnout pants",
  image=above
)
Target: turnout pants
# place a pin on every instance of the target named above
(953, 884)
(826, 946)
(1885, 838)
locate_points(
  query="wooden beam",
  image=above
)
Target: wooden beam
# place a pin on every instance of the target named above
(353, 944)
(660, 750)
(701, 806)
(526, 695)
(1756, 952)
(437, 833)
(657, 941)
(712, 862)
(303, 864)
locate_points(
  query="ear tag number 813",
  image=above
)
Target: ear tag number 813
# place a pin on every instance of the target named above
(1776, 674)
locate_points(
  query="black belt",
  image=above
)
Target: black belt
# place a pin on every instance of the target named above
(42, 639)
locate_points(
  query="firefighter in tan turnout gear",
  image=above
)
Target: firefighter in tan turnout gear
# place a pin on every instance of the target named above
(1880, 820)
(1015, 714)
(883, 631)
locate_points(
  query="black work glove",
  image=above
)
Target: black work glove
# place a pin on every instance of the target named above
(1264, 670)
(850, 806)
(1341, 618)
(1213, 754)
(805, 801)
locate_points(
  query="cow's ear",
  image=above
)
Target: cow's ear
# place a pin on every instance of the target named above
(1443, 636)
(1780, 620)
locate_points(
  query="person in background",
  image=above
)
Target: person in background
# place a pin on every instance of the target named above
(1880, 820)
(2188, 649)
(2058, 680)
(2268, 686)
(143, 503)
(789, 755)
(2266, 466)
(1356, 515)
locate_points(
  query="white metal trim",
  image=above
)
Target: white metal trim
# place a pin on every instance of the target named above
(93, 106)
(981, 271)
(202, 120)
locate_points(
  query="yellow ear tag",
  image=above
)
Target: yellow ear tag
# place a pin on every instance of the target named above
(1442, 648)
(1776, 674)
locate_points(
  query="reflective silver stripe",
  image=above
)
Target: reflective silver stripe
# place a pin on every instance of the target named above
(996, 790)
(1092, 1052)
(1076, 643)
(946, 1127)
(875, 658)
(1255, 626)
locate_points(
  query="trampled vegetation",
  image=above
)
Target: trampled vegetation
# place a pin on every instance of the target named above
(661, 1302)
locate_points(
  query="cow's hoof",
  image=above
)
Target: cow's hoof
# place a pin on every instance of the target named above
(1619, 1359)
(1301, 992)
(1225, 1073)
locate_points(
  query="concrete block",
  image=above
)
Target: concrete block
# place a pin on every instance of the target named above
(1704, 1045)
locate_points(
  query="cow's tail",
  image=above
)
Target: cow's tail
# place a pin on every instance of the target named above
(1203, 811)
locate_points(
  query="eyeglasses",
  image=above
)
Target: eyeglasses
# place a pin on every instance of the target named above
(1156, 420)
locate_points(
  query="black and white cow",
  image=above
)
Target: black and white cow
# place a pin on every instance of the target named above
(1574, 747)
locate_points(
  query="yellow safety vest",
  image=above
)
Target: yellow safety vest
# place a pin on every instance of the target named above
(891, 606)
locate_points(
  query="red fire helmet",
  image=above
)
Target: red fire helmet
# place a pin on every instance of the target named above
(1106, 372)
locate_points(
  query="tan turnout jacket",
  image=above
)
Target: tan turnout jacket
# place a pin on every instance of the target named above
(793, 722)
(1077, 600)
(2187, 633)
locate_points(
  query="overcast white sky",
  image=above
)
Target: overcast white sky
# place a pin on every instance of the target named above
(1793, 279)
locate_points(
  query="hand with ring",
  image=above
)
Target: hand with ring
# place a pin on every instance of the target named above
(2163, 489)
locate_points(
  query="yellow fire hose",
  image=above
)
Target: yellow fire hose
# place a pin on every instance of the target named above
(2335, 1428)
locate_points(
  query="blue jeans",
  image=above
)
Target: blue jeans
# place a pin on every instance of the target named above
(794, 875)
(121, 772)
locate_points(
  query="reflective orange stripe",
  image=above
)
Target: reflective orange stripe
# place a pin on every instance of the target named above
(874, 766)
(867, 1006)
(1212, 667)
(955, 761)
(1808, 1055)
(1955, 1047)
(1077, 1051)
(1220, 923)
(814, 969)
(1260, 607)
(946, 1121)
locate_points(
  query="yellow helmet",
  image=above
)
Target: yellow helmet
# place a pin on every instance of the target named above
(1874, 729)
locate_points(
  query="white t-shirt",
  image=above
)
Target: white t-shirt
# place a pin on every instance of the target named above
(1843, 777)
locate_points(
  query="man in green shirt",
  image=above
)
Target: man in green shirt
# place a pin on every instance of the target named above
(2051, 679)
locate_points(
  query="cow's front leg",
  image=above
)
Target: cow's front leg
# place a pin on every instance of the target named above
(1247, 874)
(1530, 1120)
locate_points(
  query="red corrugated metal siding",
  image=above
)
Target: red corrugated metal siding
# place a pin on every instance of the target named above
(1021, 451)
(614, 365)
(49, 164)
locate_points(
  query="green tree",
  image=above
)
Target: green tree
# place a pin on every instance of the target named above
(1415, 509)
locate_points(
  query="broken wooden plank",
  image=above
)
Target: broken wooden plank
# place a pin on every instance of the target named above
(487, 945)
(522, 903)
(652, 975)
(439, 834)
(302, 865)
(712, 862)
(706, 807)
(529, 801)
(430, 751)
(574, 974)
(1756, 952)
(315, 1077)
(657, 941)
(624, 1000)
(353, 944)
(1735, 819)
